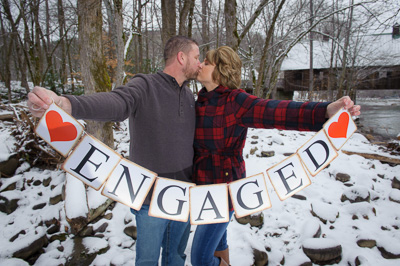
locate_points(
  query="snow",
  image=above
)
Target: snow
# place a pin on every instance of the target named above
(75, 192)
(320, 243)
(377, 50)
(288, 225)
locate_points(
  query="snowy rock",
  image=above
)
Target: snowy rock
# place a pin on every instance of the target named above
(356, 194)
(8, 203)
(322, 250)
(366, 243)
(260, 257)
(253, 150)
(31, 248)
(389, 248)
(131, 231)
(311, 229)
(9, 166)
(14, 262)
(267, 154)
(395, 195)
(396, 183)
(324, 211)
(254, 220)
(342, 177)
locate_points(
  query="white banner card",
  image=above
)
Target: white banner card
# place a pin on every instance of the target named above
(288, 177)
(91, 162)
(170, 199)
(317, 153)
(59, 129)
(339, 128)
(249, 195)
(209, 204)
(129, 184)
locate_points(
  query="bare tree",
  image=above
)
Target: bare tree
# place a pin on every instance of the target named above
(92, 61)
(168, 10)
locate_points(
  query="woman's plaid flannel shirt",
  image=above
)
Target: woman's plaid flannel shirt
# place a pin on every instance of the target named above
(222, 118)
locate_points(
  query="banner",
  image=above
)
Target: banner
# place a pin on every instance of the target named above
(98, 166)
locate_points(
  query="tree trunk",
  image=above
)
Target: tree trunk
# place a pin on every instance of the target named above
(311, 70)
(263, 61)
(94, 70)
(190, 19)
(343, 75)
(119, 28)
(183, 17)
(231, 23)
(205, 27)
(168, 11)
(63, 63)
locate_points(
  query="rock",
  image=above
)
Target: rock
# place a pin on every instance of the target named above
(288, 154)
(80, 256)
(342, 177)
(47, 182)
(108, 216)
(254, 137)
(311, 229)
(267, 153)
(77, 224)
(8, 206)
(395, 195)
(37, 183)
(87, 231)
(325, 212)
(131, 231)
(260, 258)
(396, 183)
(254, 220)
(94, 213)
(366, 243)
(56, 199)
(55, 228)
(356, 194)
(22, 232)
(59, 237)
(9, 166)
(102, 228)
(322, 250)
(299, 197)
(31, 248)
(361, 260)
(253, 150)
(10, 187)
(388, 254)
(39, 206)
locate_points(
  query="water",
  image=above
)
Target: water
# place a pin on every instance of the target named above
(380, 117)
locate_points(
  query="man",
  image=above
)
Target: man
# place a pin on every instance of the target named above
(161, 113)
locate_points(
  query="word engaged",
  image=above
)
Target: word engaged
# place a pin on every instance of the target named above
(100, 167)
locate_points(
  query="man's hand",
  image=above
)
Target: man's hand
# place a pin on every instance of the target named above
(39, 100)
(344, 102)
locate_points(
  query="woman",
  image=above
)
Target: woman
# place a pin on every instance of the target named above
(223, 114)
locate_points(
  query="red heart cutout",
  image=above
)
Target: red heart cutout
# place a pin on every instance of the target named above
(59, 130)
(339, 129)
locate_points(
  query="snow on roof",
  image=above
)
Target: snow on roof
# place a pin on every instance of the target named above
(370, 50)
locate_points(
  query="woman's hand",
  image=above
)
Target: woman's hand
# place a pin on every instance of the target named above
(344, 102)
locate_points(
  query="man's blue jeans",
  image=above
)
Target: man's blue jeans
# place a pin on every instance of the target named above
(154, 233)
(208, 239)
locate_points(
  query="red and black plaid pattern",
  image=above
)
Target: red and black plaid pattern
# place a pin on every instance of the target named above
(222, 118)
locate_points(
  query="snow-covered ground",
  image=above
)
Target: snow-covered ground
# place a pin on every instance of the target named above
(287, 224)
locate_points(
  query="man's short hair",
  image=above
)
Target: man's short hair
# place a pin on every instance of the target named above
(177, 44)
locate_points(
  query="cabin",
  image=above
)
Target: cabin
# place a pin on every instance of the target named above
(375, 64)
